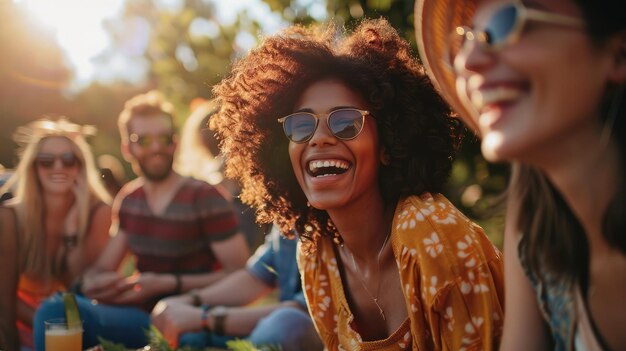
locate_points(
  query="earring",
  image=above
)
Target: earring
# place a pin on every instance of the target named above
(385, 159)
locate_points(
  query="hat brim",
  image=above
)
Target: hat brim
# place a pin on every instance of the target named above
(435, 20)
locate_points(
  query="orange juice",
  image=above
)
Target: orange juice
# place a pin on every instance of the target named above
(60, 338)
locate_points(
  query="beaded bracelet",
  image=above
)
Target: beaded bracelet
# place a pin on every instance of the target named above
(205, 317)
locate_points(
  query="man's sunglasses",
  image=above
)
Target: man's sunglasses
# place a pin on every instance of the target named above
(344, 124)
(505, 27)
(147, 140)
(45, 160)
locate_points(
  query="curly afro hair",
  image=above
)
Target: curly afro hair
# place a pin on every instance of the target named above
(415, 127)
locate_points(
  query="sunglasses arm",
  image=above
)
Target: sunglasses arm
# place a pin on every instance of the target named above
(543, 16)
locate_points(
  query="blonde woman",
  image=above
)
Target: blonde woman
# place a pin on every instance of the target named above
(55, 225)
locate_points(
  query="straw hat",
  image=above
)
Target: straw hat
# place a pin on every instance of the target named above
(435, 20)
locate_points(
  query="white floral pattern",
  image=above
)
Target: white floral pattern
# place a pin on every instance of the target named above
(433, 245)
(450, 274)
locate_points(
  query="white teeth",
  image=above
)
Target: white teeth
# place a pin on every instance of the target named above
(481, 98)
(314, 165)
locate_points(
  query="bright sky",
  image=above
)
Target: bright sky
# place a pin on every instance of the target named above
(78, 27)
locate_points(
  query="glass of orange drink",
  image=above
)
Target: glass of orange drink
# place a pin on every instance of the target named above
(63, 337)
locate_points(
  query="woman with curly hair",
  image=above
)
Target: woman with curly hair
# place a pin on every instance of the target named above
(387, 262)
(54, 227)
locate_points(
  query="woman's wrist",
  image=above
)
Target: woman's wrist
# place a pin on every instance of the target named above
(169, 284)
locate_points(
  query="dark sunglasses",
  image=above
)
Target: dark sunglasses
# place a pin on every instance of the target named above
(505, 27)
(147, 140)
(68, 160)
(344, 124)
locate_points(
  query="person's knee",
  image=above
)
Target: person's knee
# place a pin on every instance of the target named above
(196, 340)
(290, 328)
(201, 340)
(52, 307)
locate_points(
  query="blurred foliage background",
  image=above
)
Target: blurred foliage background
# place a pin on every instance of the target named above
(184, 48)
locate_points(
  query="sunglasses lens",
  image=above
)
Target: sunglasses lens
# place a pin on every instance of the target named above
(165, 140)
(69, 160)
(345, 124)
(144, 140)
(45, 160)
(299, 127)
(501, 25)
(147, 140)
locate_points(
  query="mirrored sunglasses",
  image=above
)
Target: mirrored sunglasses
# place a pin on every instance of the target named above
(505, 27)
(344, 124)
(147, 140)
(45, 160)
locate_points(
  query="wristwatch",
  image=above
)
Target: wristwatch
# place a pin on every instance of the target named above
(218, 313)
(195, 297)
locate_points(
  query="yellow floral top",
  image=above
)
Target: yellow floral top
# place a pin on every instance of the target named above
(452, 277)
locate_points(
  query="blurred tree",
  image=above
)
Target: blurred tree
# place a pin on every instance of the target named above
(398, 12)
(188, 50)
(32, 74)
(184, 49)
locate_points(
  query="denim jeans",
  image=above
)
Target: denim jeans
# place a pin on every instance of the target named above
(118, 324)
(290, 328)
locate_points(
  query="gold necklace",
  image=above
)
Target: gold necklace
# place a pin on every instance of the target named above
(356, 268)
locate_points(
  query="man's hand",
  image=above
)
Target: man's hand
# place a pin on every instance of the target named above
(174, 316)
(141, 287)
(103, 286)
